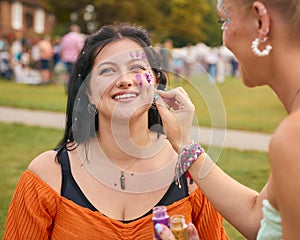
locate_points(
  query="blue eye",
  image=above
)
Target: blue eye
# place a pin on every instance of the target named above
(106, 71)
(137, 68)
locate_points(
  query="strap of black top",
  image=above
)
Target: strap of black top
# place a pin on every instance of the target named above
(72, 191)
(69, 187)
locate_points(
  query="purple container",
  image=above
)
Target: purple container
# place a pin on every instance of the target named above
(160, 215)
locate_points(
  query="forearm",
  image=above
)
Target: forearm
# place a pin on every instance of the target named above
(240, 205)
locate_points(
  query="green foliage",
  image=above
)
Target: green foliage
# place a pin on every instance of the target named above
(183, 21)
(20, 144)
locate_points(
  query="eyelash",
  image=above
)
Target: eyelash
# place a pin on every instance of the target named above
(134, 68)
(137, 67)
(221, 21)
(224, 22)
(106, 70)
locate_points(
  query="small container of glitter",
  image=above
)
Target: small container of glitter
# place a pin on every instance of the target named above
(161, 216)
(179, 227)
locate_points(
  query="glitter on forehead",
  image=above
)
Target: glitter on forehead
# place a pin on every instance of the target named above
(131, 55)
(137, 54)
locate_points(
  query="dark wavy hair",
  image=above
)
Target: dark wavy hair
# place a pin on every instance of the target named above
(79, 122)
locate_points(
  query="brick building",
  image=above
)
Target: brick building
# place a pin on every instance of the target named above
(29, 17)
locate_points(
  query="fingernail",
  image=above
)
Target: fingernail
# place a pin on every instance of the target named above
(158, 228)
(155, 98)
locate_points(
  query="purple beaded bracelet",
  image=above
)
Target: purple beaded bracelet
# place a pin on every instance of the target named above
(187, 155)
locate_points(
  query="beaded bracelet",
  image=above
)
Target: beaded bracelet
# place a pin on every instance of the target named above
(187, 155)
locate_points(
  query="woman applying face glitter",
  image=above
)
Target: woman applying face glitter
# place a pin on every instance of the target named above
(114, 163)
(264, 36)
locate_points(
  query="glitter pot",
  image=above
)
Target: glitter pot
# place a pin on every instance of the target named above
(161, 216)
(179, 227)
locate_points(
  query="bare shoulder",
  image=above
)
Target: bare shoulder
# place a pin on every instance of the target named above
(287, 131)
(48, 169)
(285, 142)
(284, 156)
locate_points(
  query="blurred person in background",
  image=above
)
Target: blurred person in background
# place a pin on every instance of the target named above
(46, 55)
(70, 47)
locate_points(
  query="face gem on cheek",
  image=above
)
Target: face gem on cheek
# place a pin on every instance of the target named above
(148, 77)
(139, 79)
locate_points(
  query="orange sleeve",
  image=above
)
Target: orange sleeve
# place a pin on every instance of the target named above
(207, 220)
(32, 210)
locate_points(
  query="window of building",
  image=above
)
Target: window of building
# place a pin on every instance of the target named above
(16, 15)
(39, 21)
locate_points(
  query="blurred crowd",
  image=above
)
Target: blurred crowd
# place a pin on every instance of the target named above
(45, 60)
(40, 60)
(217, 62)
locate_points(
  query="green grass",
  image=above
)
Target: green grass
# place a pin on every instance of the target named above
(255, 109)
(41, 97)
(247, 167)
(252, 109)
(20, 144)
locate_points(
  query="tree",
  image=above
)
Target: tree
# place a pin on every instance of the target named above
(183, 21)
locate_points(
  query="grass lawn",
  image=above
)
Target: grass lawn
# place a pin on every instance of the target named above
(42, 97)
(21, 144)
(255, 109)
(230, 104)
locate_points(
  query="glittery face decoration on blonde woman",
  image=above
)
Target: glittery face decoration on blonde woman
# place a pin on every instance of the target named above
(224, 13)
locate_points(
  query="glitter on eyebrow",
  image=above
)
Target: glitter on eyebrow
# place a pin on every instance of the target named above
(144, 56)
(148, 77)
(139, 79)
(131, 55)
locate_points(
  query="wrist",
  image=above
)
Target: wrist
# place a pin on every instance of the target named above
(178, 146)
(187, 156)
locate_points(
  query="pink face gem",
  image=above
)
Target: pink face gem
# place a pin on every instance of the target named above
(139, 79)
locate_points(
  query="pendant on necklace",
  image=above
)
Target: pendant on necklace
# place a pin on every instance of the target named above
(122, 180)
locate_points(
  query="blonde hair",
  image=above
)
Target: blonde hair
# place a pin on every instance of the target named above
(289, 9)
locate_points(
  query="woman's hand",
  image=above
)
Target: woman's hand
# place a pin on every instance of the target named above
(176, 111)
(166, 234)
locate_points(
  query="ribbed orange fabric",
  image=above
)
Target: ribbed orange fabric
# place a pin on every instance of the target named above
(38, 212)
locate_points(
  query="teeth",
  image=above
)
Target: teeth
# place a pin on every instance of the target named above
(124, 96)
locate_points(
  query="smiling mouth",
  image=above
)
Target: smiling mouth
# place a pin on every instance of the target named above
(125, 96)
